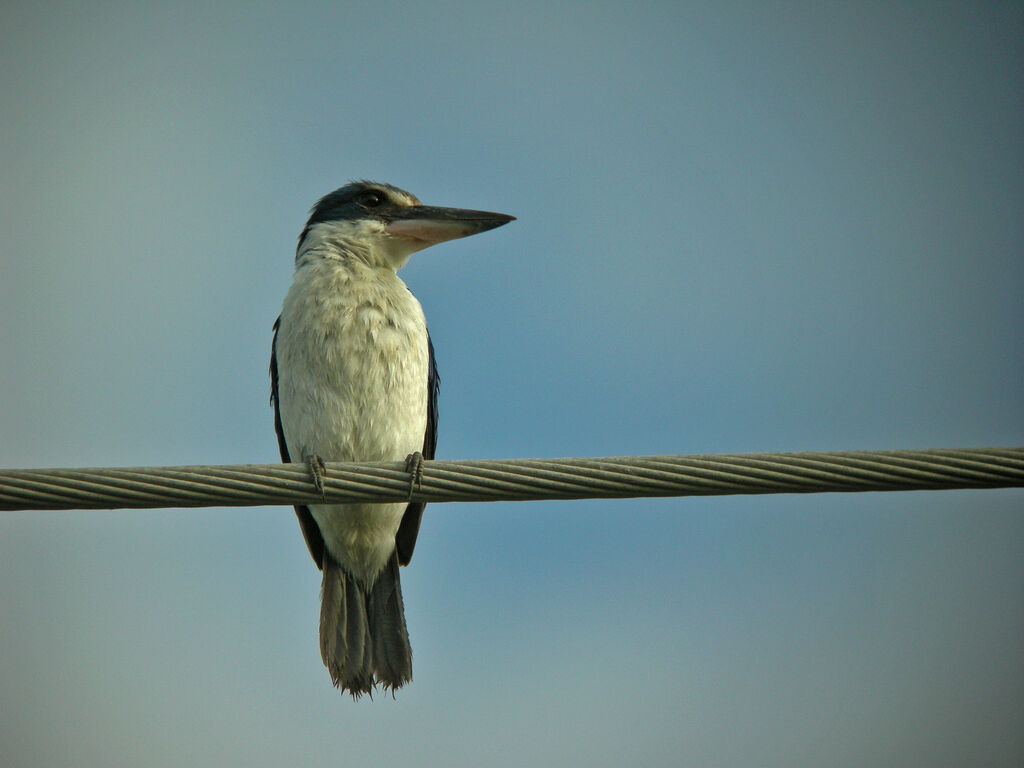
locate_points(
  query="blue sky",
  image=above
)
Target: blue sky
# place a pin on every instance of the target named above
(741, 227)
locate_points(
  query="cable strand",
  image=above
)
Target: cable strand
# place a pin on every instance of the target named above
(514, 479)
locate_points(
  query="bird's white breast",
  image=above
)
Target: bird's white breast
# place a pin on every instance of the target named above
(352, 386)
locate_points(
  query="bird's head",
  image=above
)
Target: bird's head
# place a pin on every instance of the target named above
(384, 225)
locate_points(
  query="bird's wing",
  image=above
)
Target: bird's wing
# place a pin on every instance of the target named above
(405, 539)
(310, 530)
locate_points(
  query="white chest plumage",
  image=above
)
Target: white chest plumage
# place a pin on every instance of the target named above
(352, 364)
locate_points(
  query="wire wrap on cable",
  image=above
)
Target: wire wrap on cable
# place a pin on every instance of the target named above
(514, 479)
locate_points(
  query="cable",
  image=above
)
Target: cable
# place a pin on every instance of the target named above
(514, 479)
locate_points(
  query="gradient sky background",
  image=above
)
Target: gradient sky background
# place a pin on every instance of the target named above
(742, 227)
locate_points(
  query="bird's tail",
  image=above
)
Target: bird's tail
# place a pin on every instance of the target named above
(363, 637)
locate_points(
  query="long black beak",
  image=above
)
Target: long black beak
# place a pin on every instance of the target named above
(429, 225)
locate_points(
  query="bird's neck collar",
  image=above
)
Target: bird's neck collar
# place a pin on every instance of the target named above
(364, 242)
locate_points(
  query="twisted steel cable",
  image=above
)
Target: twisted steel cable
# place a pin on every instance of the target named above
(514, 479)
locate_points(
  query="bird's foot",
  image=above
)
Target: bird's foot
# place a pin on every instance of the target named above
(317, 469)
(414, 466)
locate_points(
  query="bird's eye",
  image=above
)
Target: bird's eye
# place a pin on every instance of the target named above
(372, 199)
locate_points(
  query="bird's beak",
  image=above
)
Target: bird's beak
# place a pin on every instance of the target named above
(426, 225)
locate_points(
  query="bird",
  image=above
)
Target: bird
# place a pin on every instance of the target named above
(353, 378)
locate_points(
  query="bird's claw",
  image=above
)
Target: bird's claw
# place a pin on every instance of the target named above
(317, 469)
(414, 466)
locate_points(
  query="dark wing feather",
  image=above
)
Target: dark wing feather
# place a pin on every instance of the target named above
(405, 539)
(310, 530)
